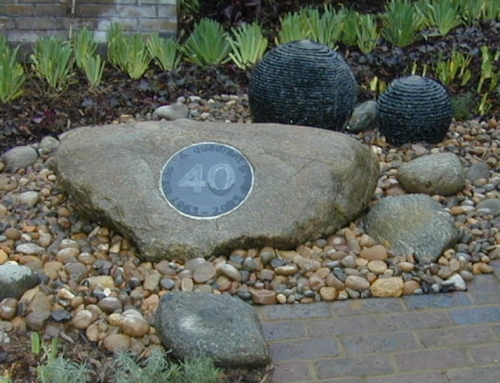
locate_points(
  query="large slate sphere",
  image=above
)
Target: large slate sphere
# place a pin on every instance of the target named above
(303, 83)
(414, 109)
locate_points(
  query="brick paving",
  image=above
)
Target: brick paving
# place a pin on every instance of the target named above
(440, 338)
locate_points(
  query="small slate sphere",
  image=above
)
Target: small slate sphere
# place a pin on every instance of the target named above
(414, 109)
(303, 83)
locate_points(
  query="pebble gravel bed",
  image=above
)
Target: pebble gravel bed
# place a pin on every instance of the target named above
(94, 281)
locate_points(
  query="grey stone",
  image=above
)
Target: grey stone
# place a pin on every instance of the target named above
(363, 118)
(440, 173)
(477, 171)
(29, 248)
(172, 112)
(412, 224)
(19, 157)
(15, 280)
(308, 183)
(492, 204)
(48, 145)
(28, 198)
(217, 326)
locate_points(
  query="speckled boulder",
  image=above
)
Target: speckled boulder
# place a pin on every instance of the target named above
(303, 83)
(414, 109)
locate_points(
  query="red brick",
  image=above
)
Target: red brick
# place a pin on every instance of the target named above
(422, 377)
(303, 349)
(342, 326)
(413, 320)
(283, 330)
(432, 359)
(379, 343)
(475, 375)
(355, 366)
(291, 372)
(456, 336)
(289, 312)
(367, 306)
(489, 354)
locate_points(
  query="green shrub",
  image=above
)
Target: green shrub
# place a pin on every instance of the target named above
(165, 52)
(248, 45)
(291, 29)
(128, 54)
(401, 23)
(12, 77)
(93, 67)
(367, 33)
(443, 15)
(84, 45)
(207, 44)
(325, 28)
(463, 105)
(53, 61)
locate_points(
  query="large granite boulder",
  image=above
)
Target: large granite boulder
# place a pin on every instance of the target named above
(412, 224)
(220, 327)
(307, 183)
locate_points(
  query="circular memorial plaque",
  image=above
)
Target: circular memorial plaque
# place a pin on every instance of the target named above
(206, 180)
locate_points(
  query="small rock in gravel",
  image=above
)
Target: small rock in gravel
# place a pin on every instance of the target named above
(439, 173)
(457, 282)
(19, 157)
(117, 342)
(364, 117)
(82, 319)
(29, 198)
(387, 287)
(8, 308)
(328, 294)
(477, 171)
(356, 283)
(101, 280)
(48, 144)
(134, 324)
(15, 280)
(492, 204)
(172, 112)
(110, 305)
(29, 248)
(152, 280)
(37, 320)
(76, 271)
(377, 252)
(263, 297)
(204, 272)
(229, 271)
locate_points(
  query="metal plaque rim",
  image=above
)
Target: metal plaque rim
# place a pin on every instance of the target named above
(215, 216)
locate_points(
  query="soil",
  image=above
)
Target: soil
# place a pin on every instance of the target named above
(38, 113)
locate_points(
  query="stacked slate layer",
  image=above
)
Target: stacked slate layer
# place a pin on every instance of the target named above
(303, 83)
(414, 109)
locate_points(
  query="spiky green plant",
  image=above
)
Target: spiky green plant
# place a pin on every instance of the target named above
(442, 15)
(93, 67)
(401, 23)
(291, 29)
(84, 45)
(456, 67)
(12, 77)
(52, 60)
(471, 10)
(349, 27)
(165, 52)
(367, 33)
(248, 45)
(491, 10)
(207, 44)
(325, 28)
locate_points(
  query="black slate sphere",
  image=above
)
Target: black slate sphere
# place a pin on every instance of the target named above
(414, 109)
(303, 83)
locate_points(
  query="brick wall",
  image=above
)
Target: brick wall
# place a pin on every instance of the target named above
(23, 21)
